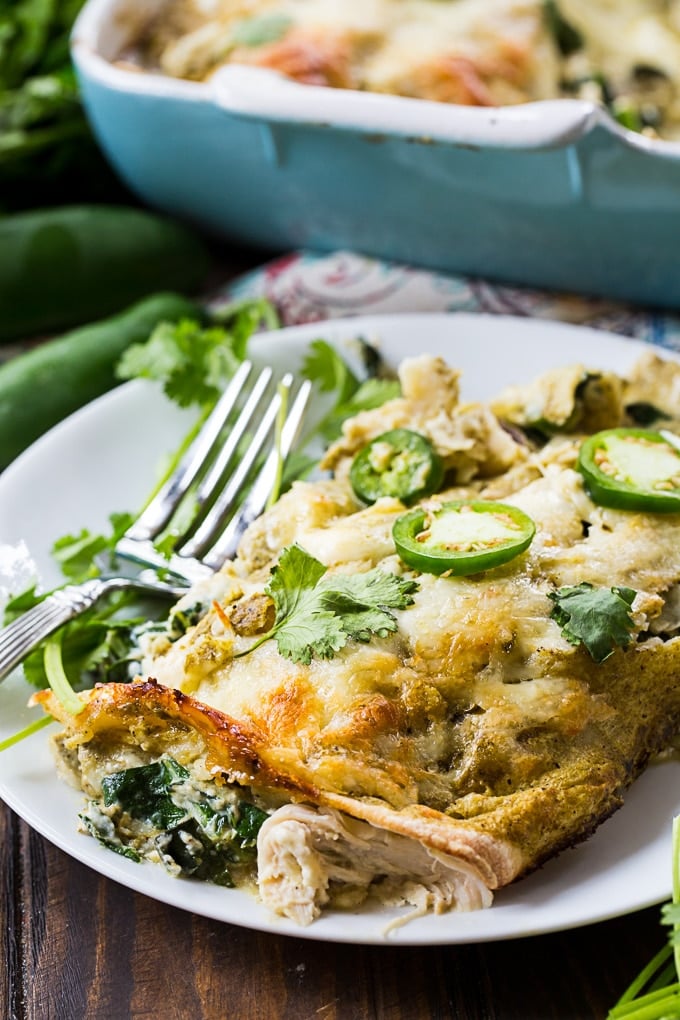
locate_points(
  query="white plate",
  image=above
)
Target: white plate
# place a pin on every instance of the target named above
(103, 458)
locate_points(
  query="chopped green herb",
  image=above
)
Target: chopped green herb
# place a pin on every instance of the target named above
(259, 31)
(597, 618)
(317, 614)
(76, 554)
(567, 37)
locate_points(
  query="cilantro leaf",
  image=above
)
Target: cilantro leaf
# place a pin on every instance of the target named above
(190, 361)
(329, 370)
(308, 632)
(362, 601)
(317, 613)
(96, 647)
(260, 30)
(598, 618)
(293, 580)
(370, 394)
(76, 554)
(302, 626)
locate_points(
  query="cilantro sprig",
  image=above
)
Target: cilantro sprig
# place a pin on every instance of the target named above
(317, 613)
(597, 618)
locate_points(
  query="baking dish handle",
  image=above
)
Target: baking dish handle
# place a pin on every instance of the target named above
(263, 95)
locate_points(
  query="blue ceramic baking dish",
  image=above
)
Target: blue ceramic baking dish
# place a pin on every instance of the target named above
(550, 194)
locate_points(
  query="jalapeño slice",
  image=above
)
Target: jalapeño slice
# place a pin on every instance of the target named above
(632, 469)
(399, 463)
(462, 537)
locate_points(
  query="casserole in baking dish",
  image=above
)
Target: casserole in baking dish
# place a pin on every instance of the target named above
(624, 55)
(552, 192)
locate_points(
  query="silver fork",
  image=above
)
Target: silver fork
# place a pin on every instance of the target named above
(212, 536)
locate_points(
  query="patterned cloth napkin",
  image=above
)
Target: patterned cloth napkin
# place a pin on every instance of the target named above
(308, 287)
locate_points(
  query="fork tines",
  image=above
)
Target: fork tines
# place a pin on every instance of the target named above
(219, 472)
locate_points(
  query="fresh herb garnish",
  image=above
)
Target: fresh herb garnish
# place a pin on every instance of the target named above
(597, 618)
(96, 647)
(317, 614)
(567, 37)
(260, 30)
(324, 366)
(76, 554)
(191, 362)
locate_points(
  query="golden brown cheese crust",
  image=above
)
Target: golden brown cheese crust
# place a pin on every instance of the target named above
(146, 716)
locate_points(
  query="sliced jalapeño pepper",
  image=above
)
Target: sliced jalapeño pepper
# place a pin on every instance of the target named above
(462, 537)
(399, 463)
(632, 469)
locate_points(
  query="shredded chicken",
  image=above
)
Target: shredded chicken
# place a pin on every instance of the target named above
(310, 857)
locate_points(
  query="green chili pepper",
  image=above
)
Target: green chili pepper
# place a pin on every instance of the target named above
(400, 463)
(462, 537)
(632, 469)
(74, 264)
(42, 386)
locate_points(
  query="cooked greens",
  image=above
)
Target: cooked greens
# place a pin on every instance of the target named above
(159, 811)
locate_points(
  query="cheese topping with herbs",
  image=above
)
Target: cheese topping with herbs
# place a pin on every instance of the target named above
(623, 54)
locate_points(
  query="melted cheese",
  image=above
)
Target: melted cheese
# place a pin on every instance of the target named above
(472, 52)
(476, 740)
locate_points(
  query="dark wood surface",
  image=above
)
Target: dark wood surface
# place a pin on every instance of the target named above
(80, 947)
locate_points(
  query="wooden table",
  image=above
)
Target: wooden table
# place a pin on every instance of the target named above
(80, 947)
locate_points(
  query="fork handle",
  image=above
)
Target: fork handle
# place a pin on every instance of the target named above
(20, 637)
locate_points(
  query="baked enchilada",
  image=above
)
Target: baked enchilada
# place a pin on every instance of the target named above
(420, 693)
(624, 55)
